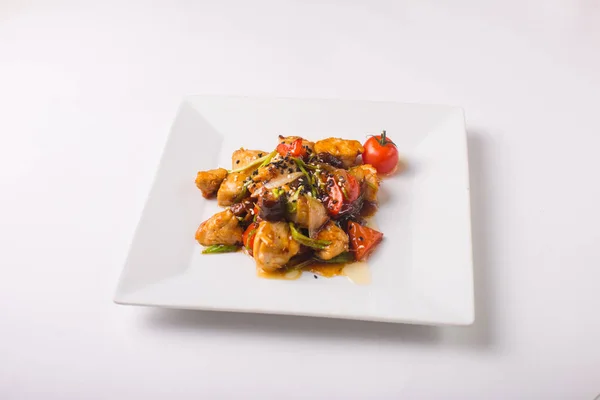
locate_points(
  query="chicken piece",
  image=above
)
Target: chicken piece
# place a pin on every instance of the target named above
(338, 239)
(277, 167)
(232, 188)
(242, 157)
(279, 173)
(309, 211)
(273, 245)
(209, 181)
(221, 228)
(366, 173)
(310, 146)
(345, 150)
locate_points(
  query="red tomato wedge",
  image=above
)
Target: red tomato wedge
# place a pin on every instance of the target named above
(294, 149)
(335, 197)
(352, 188)
(248, 236)
(363, 240)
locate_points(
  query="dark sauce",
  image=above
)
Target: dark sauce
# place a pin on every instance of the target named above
(368, 209)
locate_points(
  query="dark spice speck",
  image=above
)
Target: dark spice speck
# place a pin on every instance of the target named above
(315, 277)
(237, 161)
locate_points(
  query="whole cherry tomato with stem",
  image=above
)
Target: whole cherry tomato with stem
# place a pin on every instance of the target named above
(381, 153)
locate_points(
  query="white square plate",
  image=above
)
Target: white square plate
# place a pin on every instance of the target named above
(422, 271)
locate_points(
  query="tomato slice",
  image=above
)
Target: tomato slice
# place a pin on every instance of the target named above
(335, 197)
(294, 149)
(363, 240)
(249, 235)
(352, 188)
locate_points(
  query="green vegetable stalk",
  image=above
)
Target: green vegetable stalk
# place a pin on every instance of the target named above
(341, 258)
(306, 241)
(301, 165)
(220, 248)
(259, 162)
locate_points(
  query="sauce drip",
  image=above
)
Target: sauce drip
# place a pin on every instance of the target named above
(358, 272)
(368, 209)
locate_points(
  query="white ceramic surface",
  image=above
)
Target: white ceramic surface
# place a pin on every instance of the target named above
(422, 272)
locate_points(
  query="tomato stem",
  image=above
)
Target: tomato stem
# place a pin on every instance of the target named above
(383, 140)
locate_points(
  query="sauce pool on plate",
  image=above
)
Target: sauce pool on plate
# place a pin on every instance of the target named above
(357, 272)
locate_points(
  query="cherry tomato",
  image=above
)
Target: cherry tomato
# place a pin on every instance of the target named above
(255, 214)
(352, 188)
(363, 240)
(335, 197)
(381, 153)
(248, 236)
(294, 149)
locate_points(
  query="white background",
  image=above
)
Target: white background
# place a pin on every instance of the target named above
(87, 95)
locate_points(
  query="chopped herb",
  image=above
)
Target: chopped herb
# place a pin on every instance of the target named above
(277, 192)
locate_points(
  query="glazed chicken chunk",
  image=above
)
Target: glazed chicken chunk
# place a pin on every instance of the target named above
(242, 157)
(273, 245)
(209, 181)
(221, 228)
(367, 174)
(338, 239)
(344, 150)
(231, 188)
(308, 212)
